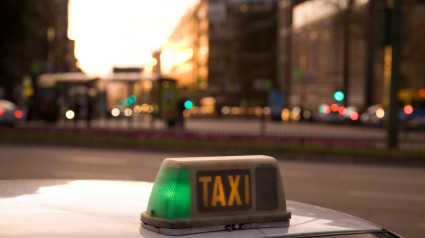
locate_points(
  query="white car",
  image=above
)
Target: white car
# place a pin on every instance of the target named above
(190, 198)
(9, 113)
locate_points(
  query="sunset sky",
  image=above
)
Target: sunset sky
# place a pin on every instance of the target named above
(111, 33)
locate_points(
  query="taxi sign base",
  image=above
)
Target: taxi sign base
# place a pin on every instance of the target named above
(204, 229)
(242, 220)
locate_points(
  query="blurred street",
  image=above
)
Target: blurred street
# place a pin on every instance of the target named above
(412, 139)
(334, 89)
(387, 195)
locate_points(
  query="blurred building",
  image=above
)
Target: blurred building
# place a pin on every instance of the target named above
(126, 83)
(225, 49)
(156, 65)
(184, 54)
(326, 46)
(34, 41)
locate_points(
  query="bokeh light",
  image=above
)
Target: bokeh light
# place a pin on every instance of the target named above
(137, 109)
(334, 107)
(354, 116)
(285, 115)
(150, 109)
(188, 104)
(408, 109)
(380, 113)
(132, 98)
(19, 114)
(342, 111)
(127, 102)
(70, 114)
(307, 114)
(325, 109)
(225, 110)
(235, 110)
(128, 112)
(115, 112)
(339, 96)
(258, 111)
(186, 113)
(296, 114)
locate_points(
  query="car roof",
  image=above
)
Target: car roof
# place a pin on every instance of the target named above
(7, 104)
(98, 208)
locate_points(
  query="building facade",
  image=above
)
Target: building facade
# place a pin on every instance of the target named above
(34, 41)
(326, 46)
(225, 49)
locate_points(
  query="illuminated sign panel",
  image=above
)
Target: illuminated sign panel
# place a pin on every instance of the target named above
(202, 194)
(223, 190)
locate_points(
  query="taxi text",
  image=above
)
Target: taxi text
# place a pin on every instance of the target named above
(223, 189)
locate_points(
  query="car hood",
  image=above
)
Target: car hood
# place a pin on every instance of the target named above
(97, 208)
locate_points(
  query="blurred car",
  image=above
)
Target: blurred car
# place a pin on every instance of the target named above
(335, 113)
(82, 208)
(332, 117)
(412, 117)
(9, 113)
(373, 116)
(408, 117)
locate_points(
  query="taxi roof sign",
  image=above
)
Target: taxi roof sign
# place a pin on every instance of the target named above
(202, 194)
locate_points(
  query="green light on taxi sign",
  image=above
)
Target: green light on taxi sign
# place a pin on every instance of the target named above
(170, 196)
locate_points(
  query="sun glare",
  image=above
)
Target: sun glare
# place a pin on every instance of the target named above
(111, 33)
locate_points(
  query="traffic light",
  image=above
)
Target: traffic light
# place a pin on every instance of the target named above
(188, 104)
(339, 96)
(132, 98)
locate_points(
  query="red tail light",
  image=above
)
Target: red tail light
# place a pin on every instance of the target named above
(19, 114)
(408, 109)
(1, 111)
(326, 109)
(334, 107)
(354, 116)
